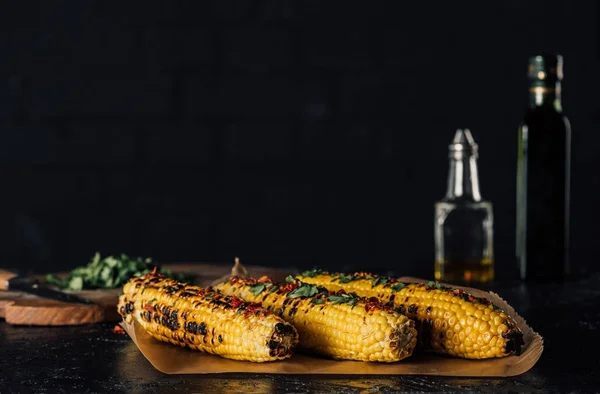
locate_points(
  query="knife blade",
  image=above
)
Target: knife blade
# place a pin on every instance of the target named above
(11, 281)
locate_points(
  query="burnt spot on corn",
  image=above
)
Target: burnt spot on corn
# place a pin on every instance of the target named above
(148, 316)
(292, 311)
(190, 326)
(413, 309)
(122, 310)
(426, 332)
(220, 338)
(391, 301)
(406, 299)
(281, 311)
(157, 318)
(174, 315)
(283, 329)
(129, 307)
(202, 328)
(514, 342)
(428, 310)
(402, 309)
(187, 294)
(273, 344)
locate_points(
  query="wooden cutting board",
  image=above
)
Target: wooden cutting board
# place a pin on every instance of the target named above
(25, 309)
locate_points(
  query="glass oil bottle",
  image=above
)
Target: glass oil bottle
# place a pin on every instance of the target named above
(463, 229)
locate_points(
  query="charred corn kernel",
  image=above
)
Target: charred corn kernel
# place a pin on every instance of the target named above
(341, 326)
(204, 320)
(465, 319)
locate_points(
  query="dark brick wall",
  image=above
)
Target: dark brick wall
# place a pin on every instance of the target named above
(283, 132)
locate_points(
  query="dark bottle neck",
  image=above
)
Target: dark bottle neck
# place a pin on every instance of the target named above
(546, 96)
(463, 178)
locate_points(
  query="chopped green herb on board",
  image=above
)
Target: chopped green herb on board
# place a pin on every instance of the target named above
(109, 273)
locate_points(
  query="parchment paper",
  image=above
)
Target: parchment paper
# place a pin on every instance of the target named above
(171, 359)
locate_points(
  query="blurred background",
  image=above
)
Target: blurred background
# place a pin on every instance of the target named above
(285, 132)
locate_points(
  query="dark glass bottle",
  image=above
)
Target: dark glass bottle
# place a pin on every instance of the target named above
(543, 176)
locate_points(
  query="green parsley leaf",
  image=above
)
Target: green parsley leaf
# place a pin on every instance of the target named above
(350, 299)
(336, 299)
(257, 288)
(317, 301)
(303, 291)
(312, 273)
(345, 278)
(398, 286)
(290, 279)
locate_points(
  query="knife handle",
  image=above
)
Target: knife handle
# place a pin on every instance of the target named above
(4, 277)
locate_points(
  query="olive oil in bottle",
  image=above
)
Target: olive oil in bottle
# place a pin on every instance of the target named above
(463, 227)
(543, 176)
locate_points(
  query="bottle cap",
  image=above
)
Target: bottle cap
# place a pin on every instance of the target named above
(545, 69)
(463, 144)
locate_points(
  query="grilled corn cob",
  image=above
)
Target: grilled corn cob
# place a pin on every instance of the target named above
(450, 321)
(205, 320)
(341, 326)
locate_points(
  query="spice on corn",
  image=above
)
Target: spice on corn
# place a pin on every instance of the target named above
(205, 320)
(339, 325)
(449, 320)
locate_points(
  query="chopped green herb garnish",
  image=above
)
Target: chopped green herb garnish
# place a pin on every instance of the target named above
(317, 301)
(304, 290)
(380, 280)
(349, 299)
(312, 273)
(290, 279)
(346, 278)
(109, 272)
(273, 289)
(398, 286)
(257, 288)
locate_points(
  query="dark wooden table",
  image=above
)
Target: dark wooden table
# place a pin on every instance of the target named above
(93, 359)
